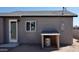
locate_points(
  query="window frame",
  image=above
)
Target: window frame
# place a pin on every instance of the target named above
(30, 25)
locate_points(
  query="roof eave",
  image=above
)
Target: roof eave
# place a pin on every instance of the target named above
(49, 16)
(43, 16)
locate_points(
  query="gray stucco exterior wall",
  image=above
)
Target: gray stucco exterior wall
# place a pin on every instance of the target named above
(67, 33)
(42, 23)
(1, 30)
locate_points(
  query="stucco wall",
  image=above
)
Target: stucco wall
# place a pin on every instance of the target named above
(6, 30)
(43, 23)
(1, 30)
(67, 33)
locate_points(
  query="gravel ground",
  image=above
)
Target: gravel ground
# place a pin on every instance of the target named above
(72, 48)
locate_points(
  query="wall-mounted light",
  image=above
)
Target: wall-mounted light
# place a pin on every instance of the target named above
(18, 20)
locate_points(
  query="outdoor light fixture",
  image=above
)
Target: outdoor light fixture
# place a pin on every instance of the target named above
(18, 20)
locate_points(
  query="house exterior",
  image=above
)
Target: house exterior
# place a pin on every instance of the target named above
(27, 26)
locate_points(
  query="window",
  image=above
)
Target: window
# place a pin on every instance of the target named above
(30, 26)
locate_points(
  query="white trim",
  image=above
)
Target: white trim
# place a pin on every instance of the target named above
(42, 42)
(58, 44)
(30, 25)
(10, 39)
(50, 34)
(42, 38)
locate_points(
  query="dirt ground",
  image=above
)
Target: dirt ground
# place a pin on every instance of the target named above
(73, 48)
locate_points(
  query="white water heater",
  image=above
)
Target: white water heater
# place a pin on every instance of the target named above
(47, 42)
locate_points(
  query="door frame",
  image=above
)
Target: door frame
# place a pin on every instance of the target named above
(10, 39)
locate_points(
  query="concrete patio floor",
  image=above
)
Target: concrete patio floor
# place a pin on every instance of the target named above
(37, 48)
(31, 48)
(7, 46)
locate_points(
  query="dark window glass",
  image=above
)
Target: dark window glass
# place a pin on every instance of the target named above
(32, 26)
(13, 30)
(28, 26)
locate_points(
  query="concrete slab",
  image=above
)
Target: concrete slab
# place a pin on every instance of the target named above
(31, 48)
(9, 45)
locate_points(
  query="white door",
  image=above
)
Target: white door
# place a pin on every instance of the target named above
(13, 33)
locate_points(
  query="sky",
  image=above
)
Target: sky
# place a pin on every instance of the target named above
(72, 9)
